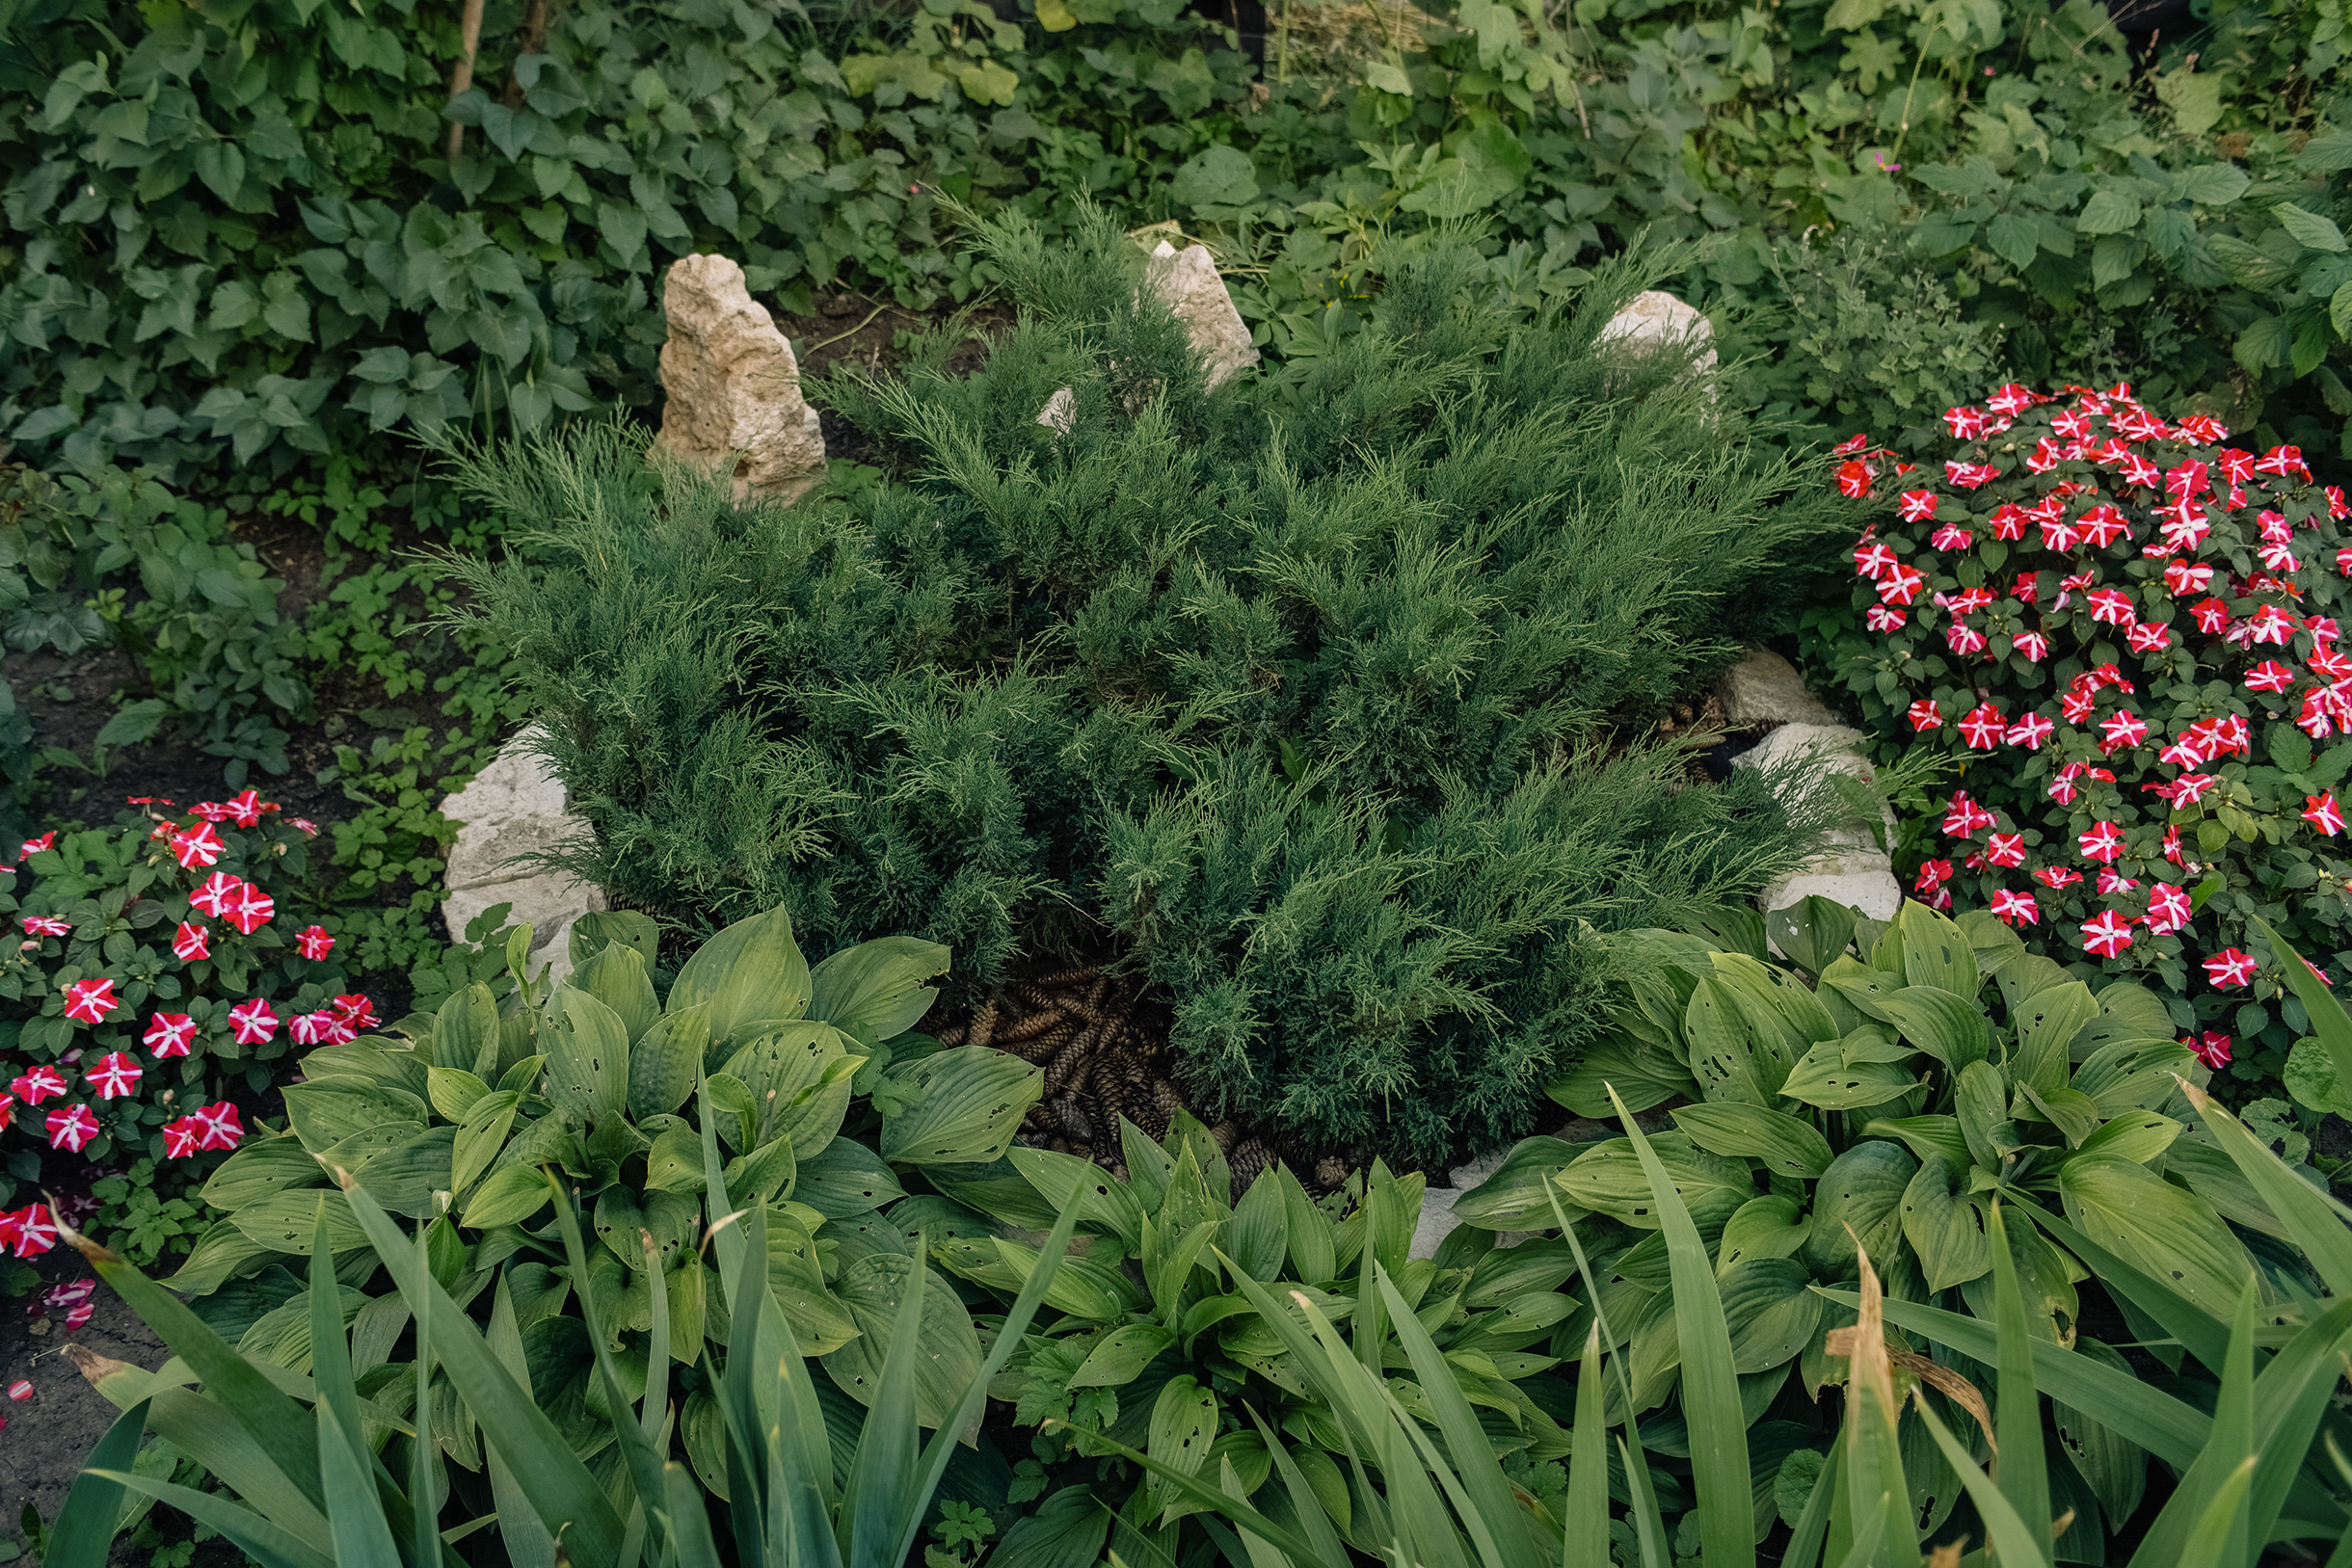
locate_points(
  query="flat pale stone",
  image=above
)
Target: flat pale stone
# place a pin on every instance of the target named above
(514, 807)
(1850, 868)
(731, 386)
(1655, 317)
(1187, 279)
(1765, 688)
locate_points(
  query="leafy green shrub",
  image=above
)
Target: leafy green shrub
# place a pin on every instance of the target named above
(1308, 690)
(199, 617)
(1891, 1099)
(294, 254)
(155, 970)
(2125, 632)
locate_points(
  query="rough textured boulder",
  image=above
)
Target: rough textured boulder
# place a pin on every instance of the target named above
(732, 386)
(1765, 688)
(1850, 869)
(511, 808)
(1654, 317)
(1188, 280)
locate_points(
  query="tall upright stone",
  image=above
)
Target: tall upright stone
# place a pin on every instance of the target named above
(732, 386)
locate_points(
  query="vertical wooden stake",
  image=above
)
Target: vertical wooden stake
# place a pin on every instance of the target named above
(461, 78)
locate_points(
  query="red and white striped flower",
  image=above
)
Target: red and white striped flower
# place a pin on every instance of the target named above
(1924, 714)
(252, 1022)
(217, 1125)
(2321, 812)
(1982, 727)
(71, 1128)
(2102, 841)
(37, 1084)
(45, 926)
(2005, 849)
(2211, 1047)
(114, 1074)
(2014, 908)
(2230, 969)
(197, 846)
(216, 893)
(2270, 675)
(168, 1034)
(2167, 909)
(251, 911)
(188, 943)
(89, 1001)
(2107, 934)
(313, 943)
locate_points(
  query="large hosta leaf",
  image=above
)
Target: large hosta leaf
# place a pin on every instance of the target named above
(1946, 1224)
(871, 1289)
(2173, 1234)
(966, 1105)
(1861, 1192)
(1609, 1180)
(751, 973)
(877, 985)
(587, 1048)
(1769, 1307)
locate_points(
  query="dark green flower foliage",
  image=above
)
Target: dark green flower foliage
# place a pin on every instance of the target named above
(1325, 695)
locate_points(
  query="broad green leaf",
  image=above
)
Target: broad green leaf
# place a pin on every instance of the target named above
(324, 1113)
(751, 973)
(1516, 1196)
(873, 1288)
(1774, 1225)
(844, 1177)
(1949, 1027)
(665, 1060)
(1771, 1311)
(1936, 952)
(2044, 1025)
(1867, 1068)
(2167, 1232)
(616, 976)
(967, 1105)
(1183, 1424)
(1721, 1045)
(1862, 1190)
(1783, 1143)
(1120, 1356)
(877, 985)
(1102, 1200)
(1946, 1225)
(587, 1049)
(1610, 1178)
(2331, 1025)
(2309, 229)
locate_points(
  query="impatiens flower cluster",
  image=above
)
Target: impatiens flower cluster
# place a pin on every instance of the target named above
(2127, 626)
(119, 995)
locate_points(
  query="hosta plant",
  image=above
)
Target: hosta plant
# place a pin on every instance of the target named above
(1892, 1097)
(156, 971)
(2127, 631)
(1162, 1339)
(452, 1118)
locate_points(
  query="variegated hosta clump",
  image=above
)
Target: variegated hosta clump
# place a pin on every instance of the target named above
(1887, 1095)
(601, 1078)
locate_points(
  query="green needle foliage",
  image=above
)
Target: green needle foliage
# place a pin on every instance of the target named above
(1328, 694)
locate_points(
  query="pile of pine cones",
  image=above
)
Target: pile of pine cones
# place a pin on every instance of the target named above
(1104, 1048)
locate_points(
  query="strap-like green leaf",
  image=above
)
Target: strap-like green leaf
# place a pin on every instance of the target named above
(1586, 1505)
(363, 1538)
(2014, 1542)
(1710, 1387)
(253, 1535)
(2024, 1474)
(85, 1529)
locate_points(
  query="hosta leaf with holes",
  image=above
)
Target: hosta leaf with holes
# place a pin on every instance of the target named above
(966, 1105)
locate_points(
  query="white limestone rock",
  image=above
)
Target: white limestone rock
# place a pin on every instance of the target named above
(514, 807)
(1851, 868)
(732, 386)
(1765, 688)
(1188, 280)
(1656, 317)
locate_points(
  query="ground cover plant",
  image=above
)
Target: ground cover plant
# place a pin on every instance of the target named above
(155, 977)
(2124, 628)
(1323, 695)
(437, 1388)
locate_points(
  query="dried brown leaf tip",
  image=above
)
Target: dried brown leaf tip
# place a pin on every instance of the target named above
(94, 1366)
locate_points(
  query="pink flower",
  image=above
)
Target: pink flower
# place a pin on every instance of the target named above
(355, 1010)
(1854, 478)
(1952, 537)
(2103, 525)
(1924, 714)
(188, 943)
(168, 1034)
(1932, 874)
(2269, 675)
(2059, 535)
(45, 926)
(252, 1022)
(2107, 934)
(2277, 558)
(1966, 422)
(2149, 637)
(2321, 812)
(199, 846)
(2121, 729)
(2168, 908)
(2211, 615)
(21, 1388)
(314, 944)
(1970, 475)
(1916, 506)
(2006, 849)
(2013, 908)
(179, 1139)
(308, 1028)
(2171, 845)
(2009, 520)
(2057, 878)
(39, 1083)
(2010, 399)
(2230, 969)
(252, 910)
(2190, 789)
(1872, 558)
(89, 1001)
(211, 811)
(247, 806)
(2032, 645)
(2111, 881)
(1901, 585)
(2212, 1049)
(309, 828)
(1851, 445)
(217, 1125)
(2203, 429)
(1964, 640)
(116, 1075)
(2102, 843)
(2183, 578)
(70, 1127)
(1982, 727)
(2287, 462)
(2270, 625)
(34, 846)
(1884, 618)
(216, 893)
(34, 1230)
